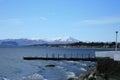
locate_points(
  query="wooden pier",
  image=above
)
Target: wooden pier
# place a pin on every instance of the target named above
(62, 58)
(68, 59)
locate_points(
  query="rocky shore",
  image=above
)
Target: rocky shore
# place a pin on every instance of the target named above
(105, 69)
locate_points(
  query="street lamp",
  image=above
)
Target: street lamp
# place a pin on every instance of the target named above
(116, 41)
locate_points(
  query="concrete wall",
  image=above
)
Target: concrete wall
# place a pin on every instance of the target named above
(117, 57)
(111, 54)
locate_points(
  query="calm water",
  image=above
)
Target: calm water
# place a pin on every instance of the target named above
(13, 67)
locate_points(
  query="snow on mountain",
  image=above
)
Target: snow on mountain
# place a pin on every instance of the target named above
(60, 40)
(67, 39)
(63, 40)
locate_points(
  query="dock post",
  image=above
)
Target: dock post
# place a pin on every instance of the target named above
(46, 56)
(71, 55)
(58, 56)
(64, 55)
(77, 55)
(82, 56)
(89, 56)
(53, 55)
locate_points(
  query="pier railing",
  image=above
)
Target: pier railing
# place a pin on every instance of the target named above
(63, 57)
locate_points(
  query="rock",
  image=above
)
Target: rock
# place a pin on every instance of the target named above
(88, 76)
(92, 76)
(84, 76)
(50, 65)
(81, 77)
(72, 79)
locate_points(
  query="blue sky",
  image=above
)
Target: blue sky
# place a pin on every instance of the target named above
(86, 20)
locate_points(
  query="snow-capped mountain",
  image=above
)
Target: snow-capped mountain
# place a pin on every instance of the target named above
(63, 40)
(60, 40)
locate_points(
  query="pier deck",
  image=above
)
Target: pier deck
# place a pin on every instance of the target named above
(68, 59)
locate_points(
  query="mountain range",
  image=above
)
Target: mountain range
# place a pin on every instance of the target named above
(23, 42)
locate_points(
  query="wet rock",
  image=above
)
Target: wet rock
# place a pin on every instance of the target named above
(81, 77)
(92, 76)
(50, 65)
(84, 76)
(72, 79)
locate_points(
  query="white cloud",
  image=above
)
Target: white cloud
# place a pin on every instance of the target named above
(109, 20)
(19, 21)
(12, 21)
(43, 18)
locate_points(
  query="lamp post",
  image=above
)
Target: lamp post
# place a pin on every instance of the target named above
(116, 41)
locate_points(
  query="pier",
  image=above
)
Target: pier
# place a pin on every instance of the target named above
(88, 58)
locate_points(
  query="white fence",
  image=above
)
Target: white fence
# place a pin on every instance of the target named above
(111, 54)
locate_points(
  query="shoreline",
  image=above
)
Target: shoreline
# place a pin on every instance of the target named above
(104, 69)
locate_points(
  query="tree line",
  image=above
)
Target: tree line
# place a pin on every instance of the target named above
(95, 44)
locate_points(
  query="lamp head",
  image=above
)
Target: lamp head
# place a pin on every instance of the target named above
(116, 32)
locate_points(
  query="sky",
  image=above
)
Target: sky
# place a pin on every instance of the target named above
(85, 20)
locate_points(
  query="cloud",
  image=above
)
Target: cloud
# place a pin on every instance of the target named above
(12, 21)
(108, 20)
(43, 18)
(19, 21)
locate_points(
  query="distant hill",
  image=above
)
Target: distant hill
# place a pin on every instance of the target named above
(8, 44)
(25, 42)
(58, 42)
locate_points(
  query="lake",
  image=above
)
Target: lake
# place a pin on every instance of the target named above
(13, 67)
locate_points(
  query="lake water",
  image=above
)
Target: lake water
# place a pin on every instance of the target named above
(13, 67)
